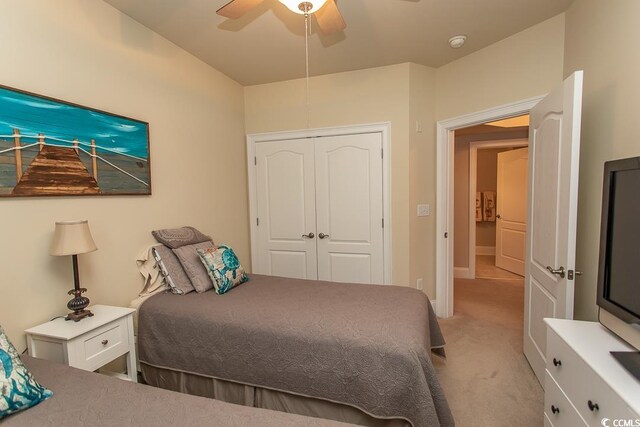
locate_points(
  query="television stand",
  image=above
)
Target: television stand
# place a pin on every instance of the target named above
(630, 360)
(584, 383)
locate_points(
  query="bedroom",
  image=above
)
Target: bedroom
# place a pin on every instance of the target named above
(91, 54)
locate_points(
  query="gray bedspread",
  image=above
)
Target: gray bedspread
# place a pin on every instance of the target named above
(367, 346)
(86, 399)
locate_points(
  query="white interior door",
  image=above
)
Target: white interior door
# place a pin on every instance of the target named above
(349, 208)
(554, 151)
(285, 187)
(511, 218)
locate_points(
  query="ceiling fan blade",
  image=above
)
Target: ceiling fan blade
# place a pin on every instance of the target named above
(329, 18)
(236, 8)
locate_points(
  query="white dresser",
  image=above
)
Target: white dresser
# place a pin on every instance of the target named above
(584, 384)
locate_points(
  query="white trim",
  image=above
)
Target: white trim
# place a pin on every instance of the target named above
(444, 191)
(485, 250)
(433, 305)
(474, 146)
(463, 273)
(384, 128)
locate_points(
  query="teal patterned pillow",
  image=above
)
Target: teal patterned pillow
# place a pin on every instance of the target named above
(18, 389)
(223, 267)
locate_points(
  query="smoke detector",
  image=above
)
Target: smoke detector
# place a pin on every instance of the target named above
(456, 42)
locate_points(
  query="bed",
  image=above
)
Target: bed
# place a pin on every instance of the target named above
(83, 398)
(352, 352)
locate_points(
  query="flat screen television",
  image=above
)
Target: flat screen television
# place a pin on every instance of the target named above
(619, 264)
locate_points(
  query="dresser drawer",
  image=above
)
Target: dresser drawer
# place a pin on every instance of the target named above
(557, 409)
(590, 395)
(100, 346)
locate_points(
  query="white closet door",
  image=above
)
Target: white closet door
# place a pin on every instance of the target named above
(349, 208)
(286, 209)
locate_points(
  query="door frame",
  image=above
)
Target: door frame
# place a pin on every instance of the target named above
(474, 146)
(444, 191)
(383, 128)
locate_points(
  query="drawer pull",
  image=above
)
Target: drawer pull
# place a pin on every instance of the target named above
(593, 406)
(105, 342)
(557, 362)
(555, 409)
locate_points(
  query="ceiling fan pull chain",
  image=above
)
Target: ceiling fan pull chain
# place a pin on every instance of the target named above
(306, 52)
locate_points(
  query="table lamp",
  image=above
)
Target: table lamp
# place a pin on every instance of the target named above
(73, 238)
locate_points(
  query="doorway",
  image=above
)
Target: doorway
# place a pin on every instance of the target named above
(446, 197)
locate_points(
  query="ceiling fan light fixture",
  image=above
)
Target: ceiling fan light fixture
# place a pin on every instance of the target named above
(303, 7)
(456, 42)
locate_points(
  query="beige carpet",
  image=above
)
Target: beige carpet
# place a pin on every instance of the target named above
(486, 269)
(486, 378)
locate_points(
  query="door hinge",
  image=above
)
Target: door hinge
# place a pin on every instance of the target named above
(446, 234)
(382, 222)
(258, 221)
(382, 153)
(255, 161)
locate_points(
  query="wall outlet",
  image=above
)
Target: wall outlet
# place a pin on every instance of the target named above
(419, 284)
(424, 210)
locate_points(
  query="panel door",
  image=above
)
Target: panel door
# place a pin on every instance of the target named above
(554, 152)
(349, 208)
(285, 190)
(511, 221)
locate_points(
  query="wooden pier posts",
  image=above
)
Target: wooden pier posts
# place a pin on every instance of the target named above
(18, 154)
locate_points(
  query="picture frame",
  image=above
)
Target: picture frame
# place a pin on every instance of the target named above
(50, 147)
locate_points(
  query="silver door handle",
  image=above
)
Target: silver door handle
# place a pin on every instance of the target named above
(322, 235)
(559, 271)
(310, 235)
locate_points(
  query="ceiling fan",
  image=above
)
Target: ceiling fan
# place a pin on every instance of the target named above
(326, 12)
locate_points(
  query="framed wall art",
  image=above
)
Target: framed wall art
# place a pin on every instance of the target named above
(55, 148)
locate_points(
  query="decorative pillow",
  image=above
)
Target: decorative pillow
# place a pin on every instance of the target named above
(178, 237)
(172, 271)
(18, 389)
(193, 267)
(223, 267)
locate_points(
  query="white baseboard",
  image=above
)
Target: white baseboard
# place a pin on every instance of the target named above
(485, 250)
(462, 273)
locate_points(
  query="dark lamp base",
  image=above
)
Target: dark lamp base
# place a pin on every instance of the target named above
(76, 316)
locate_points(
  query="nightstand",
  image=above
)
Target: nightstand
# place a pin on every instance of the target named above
(90, 343)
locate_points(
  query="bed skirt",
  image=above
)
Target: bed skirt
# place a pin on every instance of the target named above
(258, 397)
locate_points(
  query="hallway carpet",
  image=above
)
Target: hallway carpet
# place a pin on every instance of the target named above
(486, 378)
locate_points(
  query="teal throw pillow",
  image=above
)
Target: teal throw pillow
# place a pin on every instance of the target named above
(18, 389)
(223, 267)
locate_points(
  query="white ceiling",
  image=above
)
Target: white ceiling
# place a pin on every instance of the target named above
(267, 44)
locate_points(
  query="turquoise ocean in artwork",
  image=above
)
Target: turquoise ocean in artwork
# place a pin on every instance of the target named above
(33, 115)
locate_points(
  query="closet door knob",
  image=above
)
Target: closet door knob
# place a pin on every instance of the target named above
(498, 216)
(309, 236)
(322, 235)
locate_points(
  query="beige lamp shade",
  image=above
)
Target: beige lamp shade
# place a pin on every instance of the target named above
(72, 238)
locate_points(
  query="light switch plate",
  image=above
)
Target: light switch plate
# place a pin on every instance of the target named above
(424, 210)
(419, 285)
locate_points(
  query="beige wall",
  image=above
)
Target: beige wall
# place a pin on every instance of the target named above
(522, 66)
(86, 52)
(421, 152)
(601, 39)
(356, 97)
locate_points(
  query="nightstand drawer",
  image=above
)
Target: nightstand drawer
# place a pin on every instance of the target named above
(100, 346)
